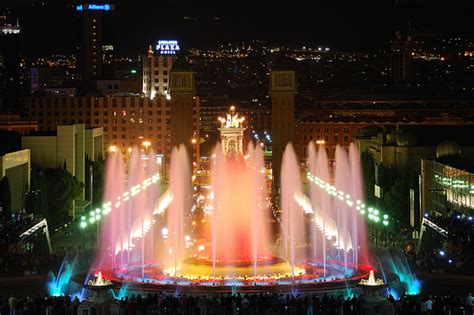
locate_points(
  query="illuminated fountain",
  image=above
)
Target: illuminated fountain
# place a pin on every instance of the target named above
(373, 302)
(220, 234)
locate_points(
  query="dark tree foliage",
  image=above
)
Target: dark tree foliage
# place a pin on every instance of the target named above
(368, 173)
(5, 197)
(98, 171)
(56, 189)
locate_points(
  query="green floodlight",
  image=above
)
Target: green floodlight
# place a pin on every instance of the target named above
(92, 219)
(371, 209)
(385, 222)
(83, 224)
(83, 218)
(376, 219)
(371, 216)
(385, 216)
(362, 212)
(97, 217)
(97, 210)
(376, 211)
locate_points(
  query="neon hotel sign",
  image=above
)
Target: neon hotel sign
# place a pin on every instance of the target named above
(168, 47)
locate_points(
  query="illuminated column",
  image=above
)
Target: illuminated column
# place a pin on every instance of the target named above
(282, 90)
(232, 133)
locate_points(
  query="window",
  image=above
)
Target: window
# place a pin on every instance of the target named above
(336, 138)
(346, 130)
(326, 130)
(346, 138)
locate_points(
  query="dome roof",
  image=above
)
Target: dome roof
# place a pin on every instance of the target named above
(448, 148)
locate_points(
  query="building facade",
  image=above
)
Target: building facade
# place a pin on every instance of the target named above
(126, 121)
(9, 65)
(91, 54)
(68, 147)
(16, 167)
(156, 73)
(16, 124)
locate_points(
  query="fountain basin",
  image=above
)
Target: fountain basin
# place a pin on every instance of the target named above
(198, 268)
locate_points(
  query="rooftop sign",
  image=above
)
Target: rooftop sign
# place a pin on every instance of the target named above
(168, 47)
(95, 7)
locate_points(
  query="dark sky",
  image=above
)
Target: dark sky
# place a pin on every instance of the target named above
(53, 27)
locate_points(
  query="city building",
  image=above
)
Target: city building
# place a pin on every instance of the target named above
(47, 78)
(9, 65)
(68, 148)
(91, 44)
(15, 166)
(127, 121)
(16, 124)
(282, 90)
(447, 182)
(157, 67)
(400, 59)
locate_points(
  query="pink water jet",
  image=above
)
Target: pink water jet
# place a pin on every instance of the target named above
(239, 218)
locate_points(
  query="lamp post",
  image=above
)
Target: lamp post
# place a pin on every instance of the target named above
(146, 144)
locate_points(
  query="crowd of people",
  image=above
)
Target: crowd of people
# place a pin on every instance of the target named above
(453, 256)
(242, 304)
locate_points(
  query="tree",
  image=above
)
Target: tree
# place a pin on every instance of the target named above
(98, 170)
(397, 199)
(5, 197)
(58, 188)
(368, 173)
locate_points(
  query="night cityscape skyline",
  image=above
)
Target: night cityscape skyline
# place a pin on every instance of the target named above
(372, 23)
(256, 157)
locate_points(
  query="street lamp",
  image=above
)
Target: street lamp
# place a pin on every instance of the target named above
(320, 141)
(113, 148)
(146, 144)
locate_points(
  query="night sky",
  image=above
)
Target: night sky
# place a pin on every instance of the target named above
(348, 25)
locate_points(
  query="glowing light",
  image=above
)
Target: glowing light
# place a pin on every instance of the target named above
(442, 253)
(113, 148)
(168, 47)
(164, 232)
(232, 119)
(83, 224)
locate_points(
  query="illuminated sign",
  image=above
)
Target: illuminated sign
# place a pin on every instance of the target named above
(94, 7)
(168, 47)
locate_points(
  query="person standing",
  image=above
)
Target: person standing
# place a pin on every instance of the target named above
(469, 304)
(12, 304)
